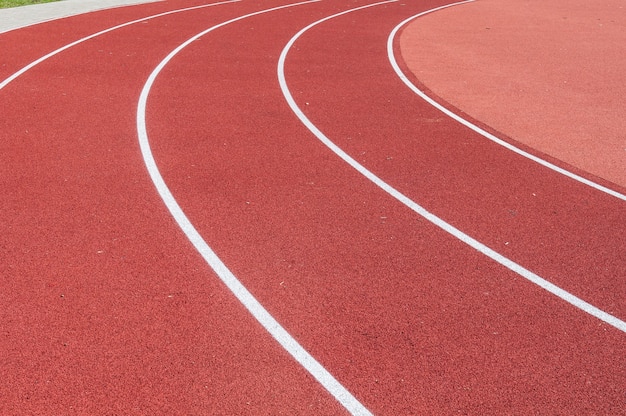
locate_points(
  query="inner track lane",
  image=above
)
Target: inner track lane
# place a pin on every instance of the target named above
(564, 240)
(472, 242)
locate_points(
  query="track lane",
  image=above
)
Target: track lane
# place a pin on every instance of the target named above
(20, 47)
(252, 305)
(388, 382)
(558, 229)
(69, 45)
(344, 264)
(394, 193)
(96, 316)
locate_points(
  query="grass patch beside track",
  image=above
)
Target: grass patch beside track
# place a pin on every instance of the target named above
(14, 3)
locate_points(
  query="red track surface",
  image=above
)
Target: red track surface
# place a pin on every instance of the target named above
(106, 308)
(549, 74)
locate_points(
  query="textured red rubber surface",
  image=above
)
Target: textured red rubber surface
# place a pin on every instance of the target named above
(107, 309)
(548, 74)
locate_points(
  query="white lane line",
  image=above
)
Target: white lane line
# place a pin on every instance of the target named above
(527, 274)
(474, 127)
(86, 38)
(306, 360)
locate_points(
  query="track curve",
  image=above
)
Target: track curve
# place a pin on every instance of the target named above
(108, 307)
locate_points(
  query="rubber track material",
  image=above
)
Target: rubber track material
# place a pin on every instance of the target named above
(106, 307)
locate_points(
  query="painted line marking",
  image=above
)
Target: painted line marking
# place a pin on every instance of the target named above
(322, 375)
(86, 38)
(511, 265)
(303, 357)
(474, 127)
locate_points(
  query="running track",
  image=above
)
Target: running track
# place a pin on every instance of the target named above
(108, 308)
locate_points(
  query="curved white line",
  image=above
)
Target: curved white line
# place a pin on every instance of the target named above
(527, 274)
(292, 346)
(474, 127)
(102, 32)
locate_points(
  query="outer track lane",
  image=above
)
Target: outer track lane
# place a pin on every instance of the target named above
(411, 320)
(21, 47)
(96, 317)
(562, 230)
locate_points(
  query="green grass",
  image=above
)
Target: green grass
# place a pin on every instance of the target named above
(14, 3)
